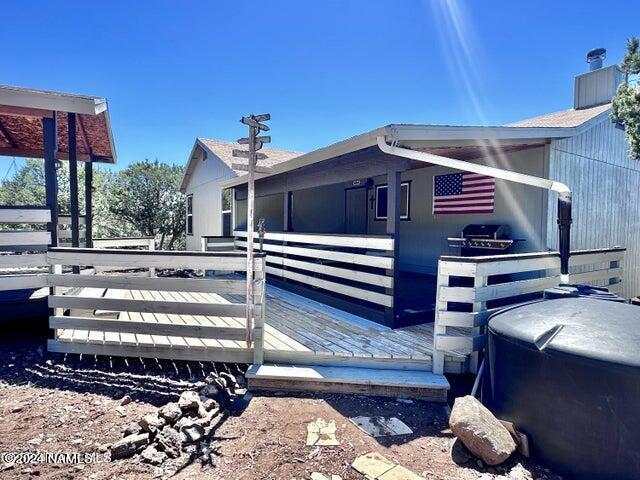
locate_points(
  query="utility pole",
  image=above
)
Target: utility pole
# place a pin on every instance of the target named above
(255, 142)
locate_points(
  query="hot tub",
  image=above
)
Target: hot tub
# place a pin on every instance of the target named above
(566, 372)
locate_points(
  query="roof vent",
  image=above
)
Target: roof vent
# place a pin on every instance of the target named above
(595, 58)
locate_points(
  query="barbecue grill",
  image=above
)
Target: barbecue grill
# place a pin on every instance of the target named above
(482, 239)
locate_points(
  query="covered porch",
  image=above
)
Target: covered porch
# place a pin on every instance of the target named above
(347, 197)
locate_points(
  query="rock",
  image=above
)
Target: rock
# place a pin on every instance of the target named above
(189, 400)
(209, 391)
(231, 379)
(132, 429)
(16, 409)
(170, 412)
(208, 403)
(168, 440)
(126, 400)
(153, 456)
(480, 431)
(128, 445)
(192, 433)
(151, 423)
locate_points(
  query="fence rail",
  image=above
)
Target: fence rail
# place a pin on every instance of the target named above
(167, 310)
(217, 244)
(359, 267)
(498, 279)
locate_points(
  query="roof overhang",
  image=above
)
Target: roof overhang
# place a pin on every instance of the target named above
(21, 114)
(421, 136)
(191, 164)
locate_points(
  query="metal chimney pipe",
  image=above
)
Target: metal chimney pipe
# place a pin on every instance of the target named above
(595, 58)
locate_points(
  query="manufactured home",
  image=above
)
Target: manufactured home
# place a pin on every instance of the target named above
(209, 164)
(398, 217)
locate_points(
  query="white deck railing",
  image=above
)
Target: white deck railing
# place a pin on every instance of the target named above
(200, 306)
(600, 267)
(214, 243)
(357, 266)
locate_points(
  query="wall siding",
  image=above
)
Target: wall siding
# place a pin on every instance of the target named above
(423, 238)
(605, 185)
(204, 185)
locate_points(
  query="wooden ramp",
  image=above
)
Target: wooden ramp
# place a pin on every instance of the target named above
(369, 381)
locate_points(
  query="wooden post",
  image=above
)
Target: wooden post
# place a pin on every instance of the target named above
(438, 328)
(50, 138)
(88, 202)
(258, 329)
(152, 247)
(393, 229)
(286, 221)
(474, 358)
(250, 203)
(73, 183)
(252, 156)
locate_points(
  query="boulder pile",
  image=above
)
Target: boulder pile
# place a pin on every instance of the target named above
(180, 427)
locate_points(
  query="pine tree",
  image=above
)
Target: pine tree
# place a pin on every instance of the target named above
(626, 103)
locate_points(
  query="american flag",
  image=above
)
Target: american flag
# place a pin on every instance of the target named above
(463, 193)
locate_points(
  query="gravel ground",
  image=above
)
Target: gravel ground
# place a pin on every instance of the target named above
(52, 403)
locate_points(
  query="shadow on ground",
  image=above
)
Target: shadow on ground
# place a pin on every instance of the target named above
(24, 360)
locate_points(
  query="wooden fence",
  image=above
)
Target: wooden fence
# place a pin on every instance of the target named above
(469, 288)
(24, 238)
(217, 244)
(64, 230)
(359, 267)
(94, 335)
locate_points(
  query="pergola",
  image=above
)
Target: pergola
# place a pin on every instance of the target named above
(58, 126)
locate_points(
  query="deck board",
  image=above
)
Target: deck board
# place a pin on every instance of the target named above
(295, 327)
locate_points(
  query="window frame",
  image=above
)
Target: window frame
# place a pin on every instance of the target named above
(189, 213)
(407, 216)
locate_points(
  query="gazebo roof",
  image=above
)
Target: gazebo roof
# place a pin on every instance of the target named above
(21, 114)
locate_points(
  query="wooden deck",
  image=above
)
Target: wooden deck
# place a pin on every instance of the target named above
(298, 331)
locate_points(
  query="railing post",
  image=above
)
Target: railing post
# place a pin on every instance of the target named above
(258, 325)
(152, 248)
(438, 328)
(478, 281)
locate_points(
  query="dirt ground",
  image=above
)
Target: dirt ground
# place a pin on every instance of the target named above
(52, 403)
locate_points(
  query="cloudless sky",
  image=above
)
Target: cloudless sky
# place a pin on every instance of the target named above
(324, 69)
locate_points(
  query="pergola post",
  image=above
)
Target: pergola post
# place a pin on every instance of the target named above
(393, 229)
(286, 221)
(88, 202)
(73, 179)
(50, 138)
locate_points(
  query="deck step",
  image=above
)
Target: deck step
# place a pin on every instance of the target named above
(368, 381)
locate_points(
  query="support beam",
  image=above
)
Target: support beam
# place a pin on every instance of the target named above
(393, 228)
(73, 179)
(50, 138)
(88, 203)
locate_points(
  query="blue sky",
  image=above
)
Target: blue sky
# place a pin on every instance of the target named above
(325, 70)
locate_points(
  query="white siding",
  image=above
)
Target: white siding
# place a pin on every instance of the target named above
(204, 185)
(605, 185)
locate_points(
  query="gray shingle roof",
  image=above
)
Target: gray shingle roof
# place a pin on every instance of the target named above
(223, 151)
(566, 118)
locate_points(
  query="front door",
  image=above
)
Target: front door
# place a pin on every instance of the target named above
(356, 210)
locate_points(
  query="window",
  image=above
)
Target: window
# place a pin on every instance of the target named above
(381, 201)
(189, 214)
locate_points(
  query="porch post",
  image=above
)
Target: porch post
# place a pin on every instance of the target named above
(234, 210)
(73, 180)
(393, 229)
(50, 138)
(88, 202)
(286, 223)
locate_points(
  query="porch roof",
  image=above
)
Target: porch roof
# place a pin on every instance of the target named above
(21, 114)
(465, 142)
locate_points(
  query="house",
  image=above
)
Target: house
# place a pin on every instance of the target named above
(210, 163)
(354, 190)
